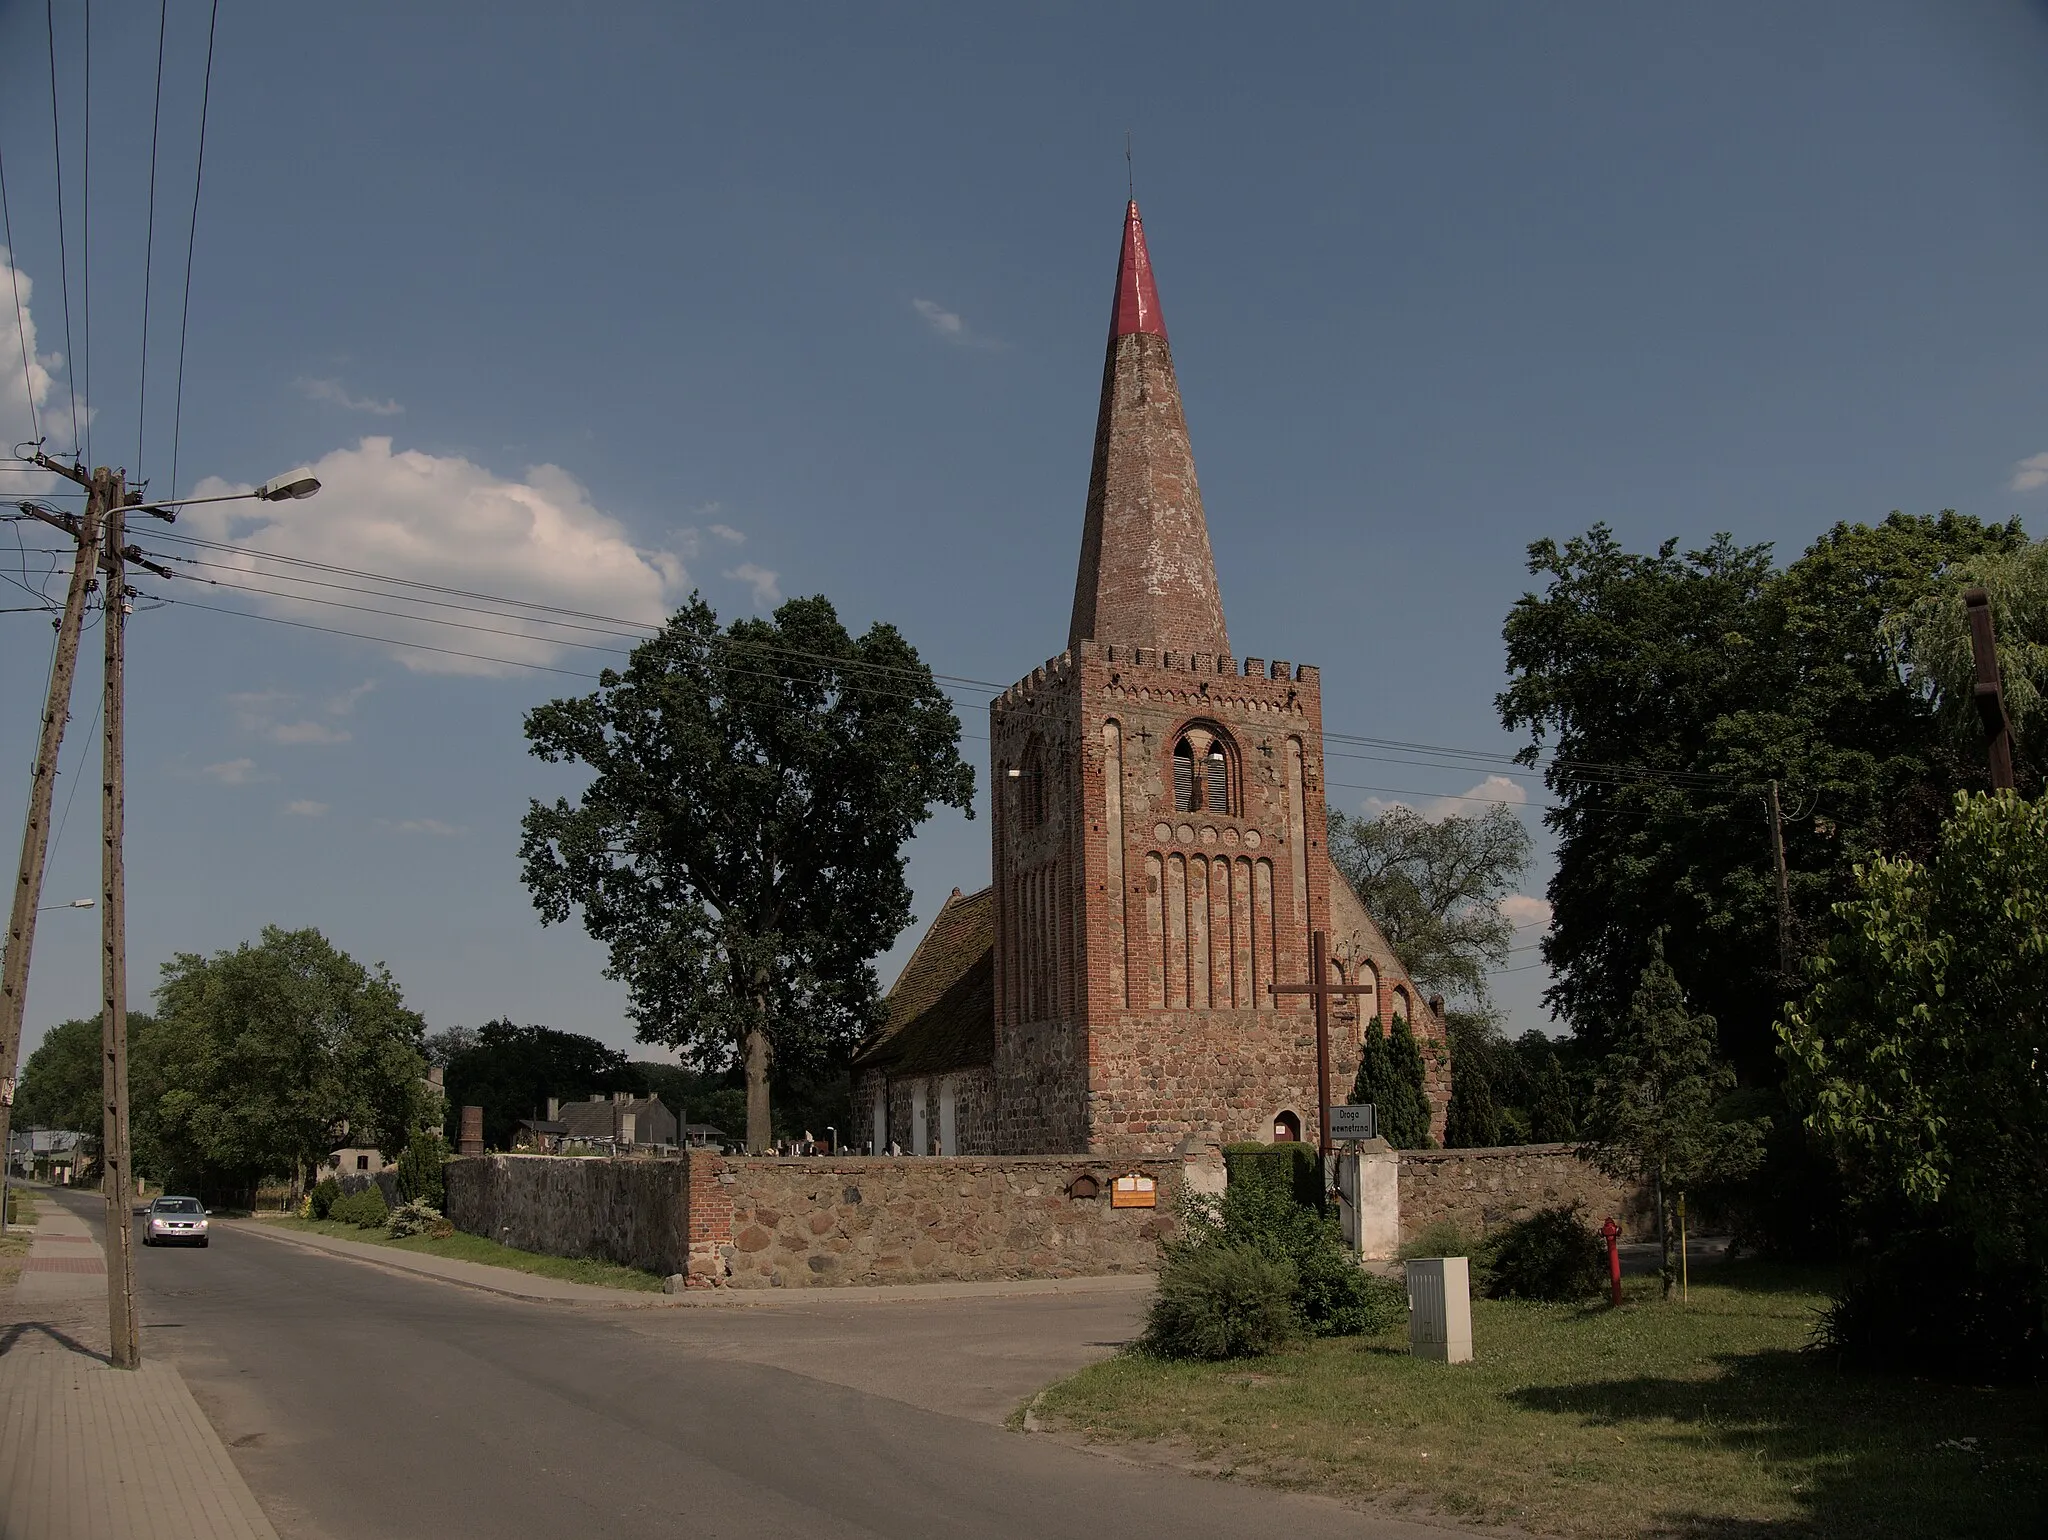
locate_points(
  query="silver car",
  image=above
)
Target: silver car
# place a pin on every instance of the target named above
(176, 1222)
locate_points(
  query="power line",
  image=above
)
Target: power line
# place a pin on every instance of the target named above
(191, 240)
(149, 236)
(85, 222)
(63, 251)
(28, 374)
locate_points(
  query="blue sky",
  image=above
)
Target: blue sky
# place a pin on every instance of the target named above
(782, 300)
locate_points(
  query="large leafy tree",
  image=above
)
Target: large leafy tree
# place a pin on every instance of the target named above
(1434, 887)
(1935, 635)
(267, 1057)
(510, 1071)
(1671, 689)
(1919, 1053)
(1653, 1115)
(739, 846)
(61, 1082)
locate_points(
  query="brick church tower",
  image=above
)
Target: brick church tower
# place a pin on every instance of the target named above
(1158, 851)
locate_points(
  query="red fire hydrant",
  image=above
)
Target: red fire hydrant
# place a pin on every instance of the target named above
(1609, 1231)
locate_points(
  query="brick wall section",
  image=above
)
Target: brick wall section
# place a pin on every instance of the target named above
(628, 1211)
(1480, 1190)
(810, 1223)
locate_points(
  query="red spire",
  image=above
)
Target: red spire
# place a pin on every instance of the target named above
(1137, 300)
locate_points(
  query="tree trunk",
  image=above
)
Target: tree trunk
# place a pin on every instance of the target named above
(760, 1131)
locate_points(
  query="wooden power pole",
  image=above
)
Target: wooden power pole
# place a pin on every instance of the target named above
(123, 1330)
(1990, 688)
(1784, 889)
(35, 834)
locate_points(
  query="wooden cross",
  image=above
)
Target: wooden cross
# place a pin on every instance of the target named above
(1322, 992)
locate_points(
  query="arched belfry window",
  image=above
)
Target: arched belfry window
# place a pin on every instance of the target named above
(1029, 779)
(1201, 771)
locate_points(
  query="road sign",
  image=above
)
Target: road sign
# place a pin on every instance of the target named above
(1355, 1122)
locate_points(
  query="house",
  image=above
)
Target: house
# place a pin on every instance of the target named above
(539, 1136)
(621, 1121)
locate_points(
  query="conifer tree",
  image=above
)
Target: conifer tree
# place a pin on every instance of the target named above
(1390, 1077)
(1652, 1115)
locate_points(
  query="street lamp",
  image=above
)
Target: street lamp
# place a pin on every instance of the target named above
(292, 486)
(76, 903)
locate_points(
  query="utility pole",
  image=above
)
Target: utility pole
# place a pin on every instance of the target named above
(35, 834)
(1784, 889)
(123, 1332)
(1990, 688)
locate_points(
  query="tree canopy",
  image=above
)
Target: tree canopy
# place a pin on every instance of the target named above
(61, 1082)
(739, 846)
(510, 1071)
(1917, 1050)
(1391, 1079)
(268, 1057)
(1434, 888)
(1669, 690)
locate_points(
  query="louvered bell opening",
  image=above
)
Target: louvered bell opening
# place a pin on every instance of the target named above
(1184, 779)
(1217, 799)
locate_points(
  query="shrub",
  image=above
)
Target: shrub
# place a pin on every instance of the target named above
(414, 1217)
(1925, 1305)
(1553, 1254)
(1222, 1301)
(1287, 1167)
(1332, 1295)
(366, 1209)
(1441, 1239)
(420, 1177)
(326, 1193)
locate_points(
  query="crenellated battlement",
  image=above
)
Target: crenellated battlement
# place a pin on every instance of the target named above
(1059, 671)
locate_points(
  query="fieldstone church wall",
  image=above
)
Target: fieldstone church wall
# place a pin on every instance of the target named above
(633, 1212)
(806, 1222)
(1480, 1190)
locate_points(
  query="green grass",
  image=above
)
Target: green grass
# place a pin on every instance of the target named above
(462, 1247)
(21, 1206)
(1699, 1420)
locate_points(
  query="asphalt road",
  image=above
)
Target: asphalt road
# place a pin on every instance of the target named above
(361, 1404)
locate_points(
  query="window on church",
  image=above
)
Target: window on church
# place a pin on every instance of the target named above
(1029, 779)
(1201, 773)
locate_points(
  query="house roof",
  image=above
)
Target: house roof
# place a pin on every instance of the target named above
(595, 1119)
(942, 1010)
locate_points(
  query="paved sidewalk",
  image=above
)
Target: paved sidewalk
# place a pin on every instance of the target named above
(509, 1281)
(90, 1452)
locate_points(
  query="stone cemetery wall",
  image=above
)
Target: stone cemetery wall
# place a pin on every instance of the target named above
(802, 1223)
(616, 1210)
(1480, 1190)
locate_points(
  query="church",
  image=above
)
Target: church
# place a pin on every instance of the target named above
(1158, 858)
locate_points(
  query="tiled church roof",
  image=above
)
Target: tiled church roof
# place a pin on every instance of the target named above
(942, 1011)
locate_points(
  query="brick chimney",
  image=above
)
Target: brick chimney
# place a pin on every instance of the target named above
(1147, 577)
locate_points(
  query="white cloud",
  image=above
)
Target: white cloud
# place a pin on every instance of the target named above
(334, 393)
(28, 393)
(727, 532)
(257, 711)
(2031, 474)
(1526, 911)
(432, 826)
(306, 809)
(941, 320)
(1471, 804)
(232, 772)
(343, 704)
(446, 520)
(305, 732)
(950, 325)
(763, 581)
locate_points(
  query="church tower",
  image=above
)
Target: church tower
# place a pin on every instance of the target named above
(1159, 824)
(1158, 853)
